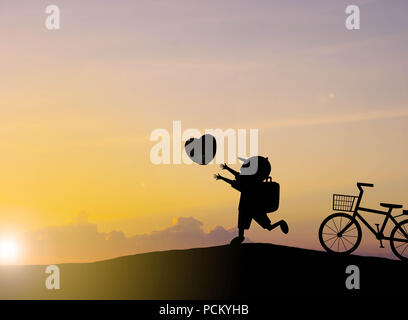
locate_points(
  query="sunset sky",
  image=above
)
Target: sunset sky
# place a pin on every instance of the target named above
(77, 107)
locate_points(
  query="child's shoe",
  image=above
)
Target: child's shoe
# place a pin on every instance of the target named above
(284, 226)
(236, 241)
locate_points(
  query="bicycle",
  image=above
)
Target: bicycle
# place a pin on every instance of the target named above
(340, 232)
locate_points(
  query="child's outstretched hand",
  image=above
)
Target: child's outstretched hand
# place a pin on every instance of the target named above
(217, 176)
(223, 166)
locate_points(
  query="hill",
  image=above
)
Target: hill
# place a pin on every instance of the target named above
(252, 271)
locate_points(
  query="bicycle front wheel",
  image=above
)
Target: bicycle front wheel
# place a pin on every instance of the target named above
(340, 233)
(399, 240)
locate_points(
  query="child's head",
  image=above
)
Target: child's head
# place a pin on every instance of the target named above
(256, 168)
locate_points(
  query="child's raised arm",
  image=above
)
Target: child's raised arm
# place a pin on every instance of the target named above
(225, 167)
(233, 183)
(220, 177)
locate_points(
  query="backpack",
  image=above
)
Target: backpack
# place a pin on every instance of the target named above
(270, 195)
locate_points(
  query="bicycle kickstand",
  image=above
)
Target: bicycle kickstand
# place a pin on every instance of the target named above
(379, 236)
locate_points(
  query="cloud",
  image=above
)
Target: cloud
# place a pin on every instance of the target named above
(81, 241)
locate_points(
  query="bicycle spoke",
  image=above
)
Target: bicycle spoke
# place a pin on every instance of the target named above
(343, 244)
(331, 238)
(341, 219)
(347, 235)
(331, 229)
(406, 232)
(334, 243)
(338, 245)
(335, 225)
(404, 250)
(349, 241)
(402, 244)
(348, 230)
(403, 235)
(329, 234)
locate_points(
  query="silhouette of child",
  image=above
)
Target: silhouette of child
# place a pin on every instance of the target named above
(250, 206)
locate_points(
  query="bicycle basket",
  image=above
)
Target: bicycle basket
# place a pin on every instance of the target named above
(343, 202)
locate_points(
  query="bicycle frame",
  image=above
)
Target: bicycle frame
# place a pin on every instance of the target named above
(380, 233)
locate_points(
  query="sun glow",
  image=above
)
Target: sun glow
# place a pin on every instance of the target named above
(9, 251)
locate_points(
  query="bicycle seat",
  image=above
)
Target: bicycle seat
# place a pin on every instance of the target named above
(391, 206)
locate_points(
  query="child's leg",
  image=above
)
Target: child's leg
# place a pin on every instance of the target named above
(263, 220)
(241, 232)
(244, 222)
(282, 224)
(240, 238)
(265, 223)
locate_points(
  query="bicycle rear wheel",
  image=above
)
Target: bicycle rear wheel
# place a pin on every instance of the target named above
(333, 236)
(399, 241)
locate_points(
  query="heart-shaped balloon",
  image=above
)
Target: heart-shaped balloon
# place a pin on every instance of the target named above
(203, 150)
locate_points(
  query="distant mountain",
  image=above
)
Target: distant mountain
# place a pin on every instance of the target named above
(251, 271)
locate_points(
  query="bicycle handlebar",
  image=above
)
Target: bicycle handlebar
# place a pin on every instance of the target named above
(362, 184)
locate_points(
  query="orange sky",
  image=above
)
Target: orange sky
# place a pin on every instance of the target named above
(77, 107)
